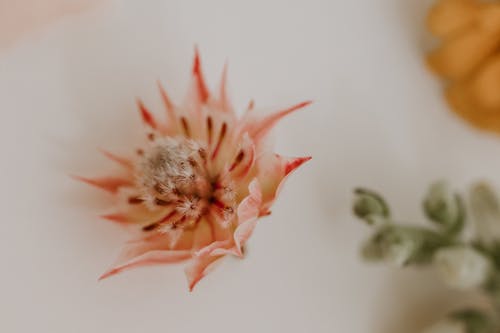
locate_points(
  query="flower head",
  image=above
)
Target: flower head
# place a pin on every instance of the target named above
(198, 185)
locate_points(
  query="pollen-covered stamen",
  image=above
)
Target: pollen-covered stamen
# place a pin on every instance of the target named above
(171, 168)
(191, 207)
(223, 201)
(222, 209)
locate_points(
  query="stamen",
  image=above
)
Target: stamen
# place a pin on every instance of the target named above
(203, 154)
(237, 160)
(135, 200)
(160, 188)
(209, 129)
(157, 224)
(248, 165)
(222, 135)
(185, 126)
(151, 137)
(160, 202)
(140, 152)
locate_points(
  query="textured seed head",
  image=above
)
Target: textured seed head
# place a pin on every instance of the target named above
(169, 169)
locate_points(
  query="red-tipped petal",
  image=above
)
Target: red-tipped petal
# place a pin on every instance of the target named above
(150, 258)
(276, 175)
(201, 87)
(109, 184)
(147, 117)
(123, 161)
(292, 164)
(260, 128)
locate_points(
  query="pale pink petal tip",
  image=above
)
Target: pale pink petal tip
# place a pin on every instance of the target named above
(248, 214)
(109, 184)
(115, 217)
(199, 268)
(123, 161)
(260, 128)
(155, 257)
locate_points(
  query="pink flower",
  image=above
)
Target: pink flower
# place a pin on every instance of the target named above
(199, 184)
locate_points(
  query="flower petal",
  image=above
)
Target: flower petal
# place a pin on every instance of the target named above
(117, 218)
(123, 161)
(224, 101)
(109, 184)
(201, 88)
(273, 172)
(202, 235)
(147, 117)
(259, 128)
(169, 105)
(155, 257)
(199, 268)
(248, 214)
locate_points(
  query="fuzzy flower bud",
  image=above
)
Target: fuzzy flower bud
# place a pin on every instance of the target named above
(462, 267)
(370, 207)
(444, 207)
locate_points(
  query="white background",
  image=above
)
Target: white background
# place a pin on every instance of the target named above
(378, 120)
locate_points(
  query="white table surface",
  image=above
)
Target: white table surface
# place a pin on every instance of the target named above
(378, 120)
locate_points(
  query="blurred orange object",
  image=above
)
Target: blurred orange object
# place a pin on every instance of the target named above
(469, 57)
(18, 17)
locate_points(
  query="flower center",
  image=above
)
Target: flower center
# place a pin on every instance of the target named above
(172, 175)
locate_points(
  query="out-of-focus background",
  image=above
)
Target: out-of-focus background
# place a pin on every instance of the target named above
(69, 74)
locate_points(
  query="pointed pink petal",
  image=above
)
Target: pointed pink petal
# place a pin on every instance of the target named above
(155, 257)
(294, 163)
(261, 127)
(274, 178)
(224, 99)
(209, 249)
(147, 117)
(169, 105)
(123, 161)
(249, 207)
(199, 268)
(116, 217)
(201, 87)
(248, 214)
(109, 184)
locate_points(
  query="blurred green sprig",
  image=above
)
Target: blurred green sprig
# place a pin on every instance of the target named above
(463, 263)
